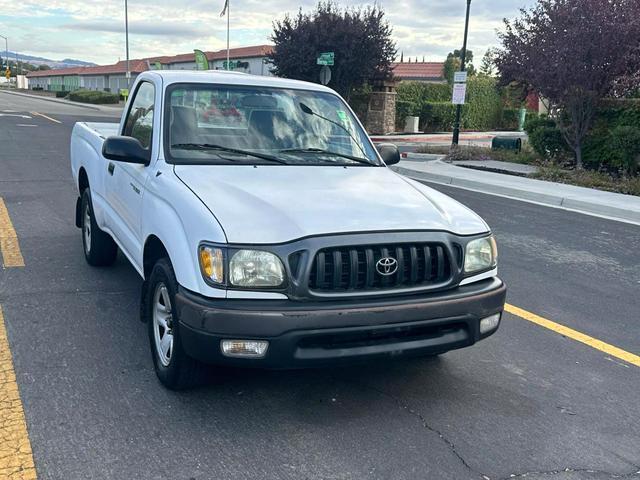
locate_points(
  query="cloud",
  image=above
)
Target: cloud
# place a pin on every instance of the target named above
(59, 28)
(140, 28)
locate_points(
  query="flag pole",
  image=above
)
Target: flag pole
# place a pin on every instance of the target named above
(228, 23)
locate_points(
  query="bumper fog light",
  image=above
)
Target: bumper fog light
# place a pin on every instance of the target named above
(244, 348)
(489, 324)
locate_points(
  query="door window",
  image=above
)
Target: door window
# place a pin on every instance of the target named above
(139, 123)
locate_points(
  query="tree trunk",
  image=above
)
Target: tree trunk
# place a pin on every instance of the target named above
(578, 150)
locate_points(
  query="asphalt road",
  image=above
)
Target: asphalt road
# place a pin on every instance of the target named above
(526, 403)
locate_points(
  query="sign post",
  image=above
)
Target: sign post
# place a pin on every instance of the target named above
(325, 75)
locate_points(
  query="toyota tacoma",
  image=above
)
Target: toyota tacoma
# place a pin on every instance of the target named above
(269, 231)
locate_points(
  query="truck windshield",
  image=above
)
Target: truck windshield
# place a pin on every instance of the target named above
(220, 124)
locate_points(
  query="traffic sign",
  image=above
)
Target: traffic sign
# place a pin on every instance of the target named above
(326, 58)
(460, 77)
(7, 73)
(459, 93)
(325, 75)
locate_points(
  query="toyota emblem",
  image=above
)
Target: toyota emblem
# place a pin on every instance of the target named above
(387, 266)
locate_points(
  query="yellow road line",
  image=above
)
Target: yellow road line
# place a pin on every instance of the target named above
(575, 335)
(44, 116)
(16, 457)
(11, 255)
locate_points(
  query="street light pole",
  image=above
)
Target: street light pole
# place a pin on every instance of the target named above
(456, 126)
(126, 34)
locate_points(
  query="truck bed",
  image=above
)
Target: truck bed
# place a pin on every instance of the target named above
(103, 130)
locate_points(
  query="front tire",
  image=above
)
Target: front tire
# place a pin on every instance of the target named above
(99, 248)
(175, 369)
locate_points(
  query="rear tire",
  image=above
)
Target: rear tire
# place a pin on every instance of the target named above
(175, 369)
(99, 248)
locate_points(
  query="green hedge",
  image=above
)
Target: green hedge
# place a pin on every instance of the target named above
(484, 104)
(432, 103)
(510, 119)
(611, 143)
(95, 97)
(438, 116)
(545, 138)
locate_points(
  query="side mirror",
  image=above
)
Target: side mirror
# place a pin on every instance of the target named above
(125, 149)
(389, 153)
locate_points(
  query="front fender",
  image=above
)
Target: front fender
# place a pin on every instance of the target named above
(180, 220)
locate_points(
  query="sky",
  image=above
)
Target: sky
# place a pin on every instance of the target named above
(93, 30)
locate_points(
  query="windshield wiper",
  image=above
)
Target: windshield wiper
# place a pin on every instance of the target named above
(327, 152)
(221, 148)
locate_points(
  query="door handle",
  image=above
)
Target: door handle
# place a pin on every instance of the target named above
(111, 168)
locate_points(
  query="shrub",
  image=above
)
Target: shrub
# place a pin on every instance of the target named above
(61, 94)
(95, 97)
(609, 152)
(483, 110)
(510, 119)
(536, 121)
(625, 141)
(546, 138)
(412, 97)
(548, 142)
(437, 116)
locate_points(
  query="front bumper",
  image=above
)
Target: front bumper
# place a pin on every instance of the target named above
(304, 334)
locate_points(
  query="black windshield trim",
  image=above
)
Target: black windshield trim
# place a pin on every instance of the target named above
(170, 159)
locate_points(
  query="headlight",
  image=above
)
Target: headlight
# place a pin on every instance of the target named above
(254, 268)
(480, 254)
(212, 263)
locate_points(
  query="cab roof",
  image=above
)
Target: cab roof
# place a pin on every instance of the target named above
(230, 78)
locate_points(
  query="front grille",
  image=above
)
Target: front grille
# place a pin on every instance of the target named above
(355, 268)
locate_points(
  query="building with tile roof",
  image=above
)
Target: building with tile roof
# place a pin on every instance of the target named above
(112, 78)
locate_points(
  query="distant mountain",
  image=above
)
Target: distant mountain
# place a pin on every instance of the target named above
(66, 63)
(79, 63)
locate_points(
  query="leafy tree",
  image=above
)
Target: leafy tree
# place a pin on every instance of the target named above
(572, 52)
(454, 61)
(360, 38)
(488, 65)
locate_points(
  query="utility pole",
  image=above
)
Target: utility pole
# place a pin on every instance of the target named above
(6, 47)
(126, 34)
(456, 126)
(228, 27)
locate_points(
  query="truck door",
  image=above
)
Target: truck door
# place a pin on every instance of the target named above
(125, 181)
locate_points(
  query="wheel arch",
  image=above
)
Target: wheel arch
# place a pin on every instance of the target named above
(154, 250)
(83, 184)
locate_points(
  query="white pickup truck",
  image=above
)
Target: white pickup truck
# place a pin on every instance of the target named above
(270, 233)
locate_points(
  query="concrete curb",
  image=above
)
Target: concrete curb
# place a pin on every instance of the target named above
(56, 100)
(569, 202)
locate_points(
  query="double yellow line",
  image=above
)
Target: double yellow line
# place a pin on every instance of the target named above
(9, 245)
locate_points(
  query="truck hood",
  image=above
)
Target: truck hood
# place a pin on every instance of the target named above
(277, 204)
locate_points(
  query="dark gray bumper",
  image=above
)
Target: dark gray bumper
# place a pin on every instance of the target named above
(303, 334)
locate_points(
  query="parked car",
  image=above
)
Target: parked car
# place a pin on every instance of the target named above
(280, 238)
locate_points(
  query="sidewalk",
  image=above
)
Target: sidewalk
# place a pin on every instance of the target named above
(466, 138)
(586, 200)
(99, 108)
